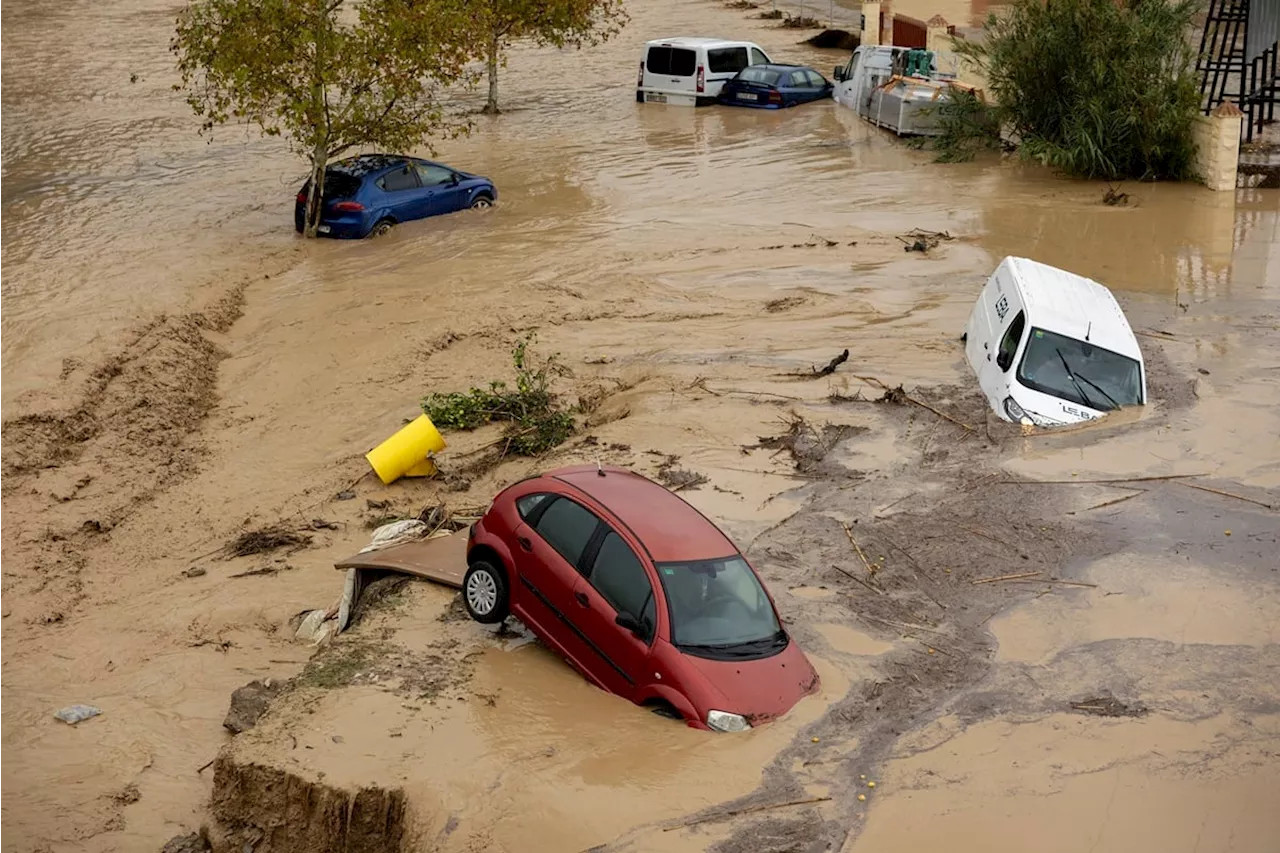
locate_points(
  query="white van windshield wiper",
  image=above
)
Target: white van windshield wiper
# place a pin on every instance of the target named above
(1072, 377)
(1114, 404)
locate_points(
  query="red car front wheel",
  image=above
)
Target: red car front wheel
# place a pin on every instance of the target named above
(484, 591)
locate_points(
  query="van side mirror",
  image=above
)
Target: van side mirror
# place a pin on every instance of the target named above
(630, 623)
(838, 74)
(454, 179)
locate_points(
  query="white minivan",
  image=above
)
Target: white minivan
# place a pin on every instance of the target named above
(692, 71)
(1050, 347)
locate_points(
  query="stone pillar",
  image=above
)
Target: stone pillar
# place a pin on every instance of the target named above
(1217, 138)
(886, 23)
(871, 23)
(936, 37)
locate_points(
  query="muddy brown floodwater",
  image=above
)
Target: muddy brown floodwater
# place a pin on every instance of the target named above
(178, 367)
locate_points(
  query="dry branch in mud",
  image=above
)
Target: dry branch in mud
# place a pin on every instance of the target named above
(264, 539)
(807, 445)
(678, 479)
(800, 22)
(899, 397)
(829, 368)
(1114, 198)
(1107, 705)
(918, 240)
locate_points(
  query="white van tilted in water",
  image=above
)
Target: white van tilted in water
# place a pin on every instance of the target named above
(1051, 347)
(692, 71)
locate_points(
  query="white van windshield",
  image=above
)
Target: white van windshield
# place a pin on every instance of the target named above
(719, 604)
(1080, 372)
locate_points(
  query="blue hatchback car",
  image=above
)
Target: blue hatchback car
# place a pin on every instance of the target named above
(370, 194)
(774, 86)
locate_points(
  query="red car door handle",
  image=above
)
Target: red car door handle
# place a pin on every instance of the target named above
(582, 599)
(525, 543)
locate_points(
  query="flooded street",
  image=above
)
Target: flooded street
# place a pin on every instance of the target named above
(179, 366)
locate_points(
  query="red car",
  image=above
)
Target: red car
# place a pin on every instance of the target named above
(640, 593)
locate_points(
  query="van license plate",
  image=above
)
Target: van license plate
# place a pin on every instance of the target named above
(747, 96)
(655, 98)
(324, 229)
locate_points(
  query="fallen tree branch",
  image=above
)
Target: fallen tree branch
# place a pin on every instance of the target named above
(831, 366)
(848, 531)
(1213, 491)
(1112, 480)
(874, 381)
(751, 810)
(992, 538)
(1112, 502)
(1000, 578)
(750, 393)
(851, 576)
(1060, 582)
(933, 648)
(908, 625)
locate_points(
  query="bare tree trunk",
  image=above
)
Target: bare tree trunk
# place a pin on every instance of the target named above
(491, 107)
(319, 116)
(315, 199)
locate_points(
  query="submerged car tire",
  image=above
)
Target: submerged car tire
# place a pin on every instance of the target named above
(482, 202)
(383, 226)
(484, 592)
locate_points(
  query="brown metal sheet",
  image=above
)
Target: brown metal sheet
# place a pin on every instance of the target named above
(443, 559)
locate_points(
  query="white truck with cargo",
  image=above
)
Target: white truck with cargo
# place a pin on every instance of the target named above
(692, 71)
(1050, 347)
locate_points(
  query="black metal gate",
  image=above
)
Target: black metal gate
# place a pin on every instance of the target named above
(1239, 55)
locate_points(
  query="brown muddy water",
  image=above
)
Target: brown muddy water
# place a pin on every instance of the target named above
(177, 365)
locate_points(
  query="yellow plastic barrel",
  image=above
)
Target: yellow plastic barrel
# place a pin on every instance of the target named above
(406, 451)
(425, 468)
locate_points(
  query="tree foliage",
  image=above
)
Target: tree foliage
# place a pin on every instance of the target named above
(497, 24)
(967, 125)
(1097, 88)
(326, 75)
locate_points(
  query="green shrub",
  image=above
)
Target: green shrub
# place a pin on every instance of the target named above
(536, 422)
(1096, 88)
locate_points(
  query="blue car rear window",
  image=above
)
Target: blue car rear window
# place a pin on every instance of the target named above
(759, 75)
(337, 185)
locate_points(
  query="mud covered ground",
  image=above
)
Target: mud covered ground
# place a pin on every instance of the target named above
(911, 576)
(179, 372)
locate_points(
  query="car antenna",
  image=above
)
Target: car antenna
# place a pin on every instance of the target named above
(599, 469)
(1088, 330)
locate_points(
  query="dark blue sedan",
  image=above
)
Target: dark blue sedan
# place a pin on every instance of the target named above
(368, 195)
(772, 87)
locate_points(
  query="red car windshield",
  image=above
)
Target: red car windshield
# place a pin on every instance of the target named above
(720, 605)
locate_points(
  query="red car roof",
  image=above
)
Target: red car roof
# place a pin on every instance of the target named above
(670, 529)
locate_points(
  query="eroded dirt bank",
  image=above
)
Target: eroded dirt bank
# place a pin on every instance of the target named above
(684, 264)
